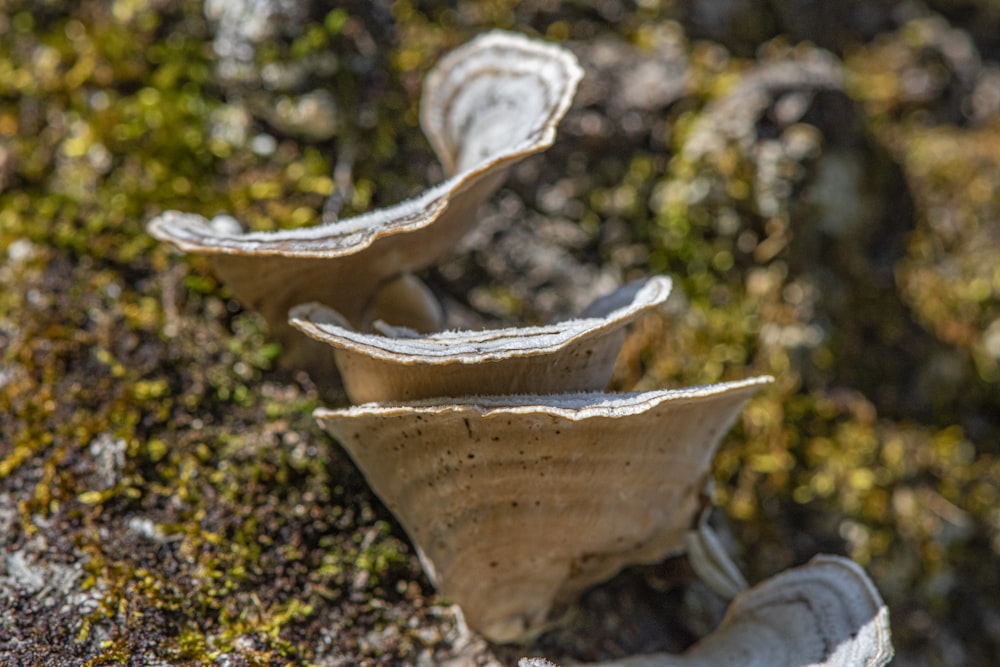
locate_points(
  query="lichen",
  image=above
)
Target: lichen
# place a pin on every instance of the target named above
(149, 448)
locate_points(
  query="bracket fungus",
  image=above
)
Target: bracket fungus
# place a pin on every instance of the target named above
(567, 356)
(518, 481)
(826, 613)
(484, 106)
(517, 503)
(710, 560)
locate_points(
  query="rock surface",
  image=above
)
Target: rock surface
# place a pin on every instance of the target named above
(165, 497)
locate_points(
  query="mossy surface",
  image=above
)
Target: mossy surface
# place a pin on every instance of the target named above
(165, 497)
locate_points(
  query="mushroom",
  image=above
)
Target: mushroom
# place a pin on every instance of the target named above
(515, 504)
(710, 560)
(485, 106)
(498, 97)
(396, 364)
(825, 613)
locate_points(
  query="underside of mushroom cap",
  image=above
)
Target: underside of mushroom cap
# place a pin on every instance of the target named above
(570, 355)
(345, 263)
(826, 613)
(516, 503)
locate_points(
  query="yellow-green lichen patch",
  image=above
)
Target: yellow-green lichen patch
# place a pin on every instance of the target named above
(951, 276)
(206, 512)
(169, 487)
(194, 505)
(877, 438)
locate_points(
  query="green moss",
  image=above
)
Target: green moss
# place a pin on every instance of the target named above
(207, 532)
(227, 523)
(829, 458)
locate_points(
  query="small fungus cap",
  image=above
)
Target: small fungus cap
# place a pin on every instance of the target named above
(485, 106)
(518, 503)
(826, 613)
(393, 364)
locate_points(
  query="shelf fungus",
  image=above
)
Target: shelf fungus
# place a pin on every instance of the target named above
(396, 364)
(518, 503)
(826, 613)
(484, 106)
(710, 560)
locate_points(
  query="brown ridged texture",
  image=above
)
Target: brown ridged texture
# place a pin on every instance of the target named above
(517, 503)
(572, 355)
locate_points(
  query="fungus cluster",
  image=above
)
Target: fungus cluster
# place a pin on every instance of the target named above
(518, 479)
(825, 613)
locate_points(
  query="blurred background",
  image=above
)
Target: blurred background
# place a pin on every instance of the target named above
(819, 179)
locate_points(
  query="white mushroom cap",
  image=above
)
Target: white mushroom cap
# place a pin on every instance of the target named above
(571, 355)
(517, 503)
(826, 613)
(499, 90)
(344, 264)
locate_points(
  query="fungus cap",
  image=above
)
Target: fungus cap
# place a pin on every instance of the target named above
(826, 613)
(518, 503)
(396, 364)
(485, 106)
